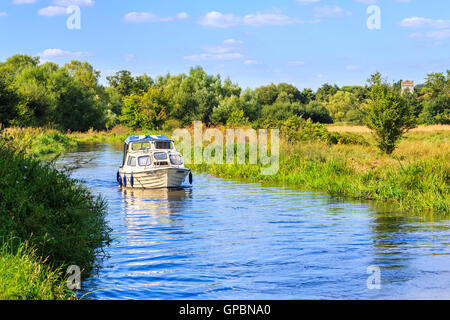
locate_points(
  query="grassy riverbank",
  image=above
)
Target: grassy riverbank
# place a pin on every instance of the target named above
(54, 220)
(344, 161)
(414, 178)
(41, 142)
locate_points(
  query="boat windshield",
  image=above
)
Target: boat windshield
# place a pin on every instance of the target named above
(136, 146)
(163, 145)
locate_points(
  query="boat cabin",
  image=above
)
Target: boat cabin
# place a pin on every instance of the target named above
(150, 151)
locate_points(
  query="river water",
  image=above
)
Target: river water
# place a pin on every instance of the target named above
(223, 239)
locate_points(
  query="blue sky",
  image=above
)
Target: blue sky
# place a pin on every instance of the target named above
(303, 42)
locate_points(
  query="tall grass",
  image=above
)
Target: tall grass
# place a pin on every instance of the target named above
(415, 178)
(24, 276)
(41, 142)
(59, 218)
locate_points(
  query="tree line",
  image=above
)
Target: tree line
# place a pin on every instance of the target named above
(70, 97)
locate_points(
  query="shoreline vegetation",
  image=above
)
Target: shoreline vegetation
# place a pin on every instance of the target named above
(49, 221)
(341, 161)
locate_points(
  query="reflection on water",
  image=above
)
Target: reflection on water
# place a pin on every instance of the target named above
(223, 239)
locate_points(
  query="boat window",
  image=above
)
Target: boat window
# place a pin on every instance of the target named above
(144, 161)
(140, 146)
(176, 159)
(132, 161)
(160, 156)
(163, 145)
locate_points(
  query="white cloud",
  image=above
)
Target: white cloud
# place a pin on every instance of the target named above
(367, 1)
(141, 17)
(182, 15)
(220, 20)
(251, 62)
(331, 12)
(418, 22)
(261, 19)
(3, 14)
(214, 56)
(218, 49)
(81, 3)
(24, 1)
(53, 11)
(227, 51)
(49, 54)
(232, 41)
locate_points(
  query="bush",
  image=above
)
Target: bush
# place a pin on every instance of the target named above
(389, 115)
(53, 212)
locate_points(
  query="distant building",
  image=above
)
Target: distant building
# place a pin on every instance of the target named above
(408, 85)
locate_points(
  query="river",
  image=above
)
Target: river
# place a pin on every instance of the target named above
(224, 239)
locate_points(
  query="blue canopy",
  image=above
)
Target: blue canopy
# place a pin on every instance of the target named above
(146, 138)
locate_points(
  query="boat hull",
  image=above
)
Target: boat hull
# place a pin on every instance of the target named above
(155, 179)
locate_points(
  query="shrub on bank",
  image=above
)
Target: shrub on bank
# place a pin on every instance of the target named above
(53, 212)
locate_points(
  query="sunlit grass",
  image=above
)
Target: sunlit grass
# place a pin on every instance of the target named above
(24, 276)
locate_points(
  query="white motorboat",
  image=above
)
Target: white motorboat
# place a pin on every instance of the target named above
(151, 162)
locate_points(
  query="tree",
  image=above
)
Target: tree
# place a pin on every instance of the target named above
(8, 101)
(83, 72)
(343, 107)
(317, 112)
(123, 82)
(19, 62)
(389, 114)
(143, 83)
(226, 107)
(268, 94)
(325, 92)
(436, 106)
(147, 111)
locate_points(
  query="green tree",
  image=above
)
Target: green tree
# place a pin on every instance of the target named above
(325, 92)
(389, 114)
(123, 82)
(8, 100)
(436, 105)
(83, 72)
(146, 111)
(343, 107)
(268, 94)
